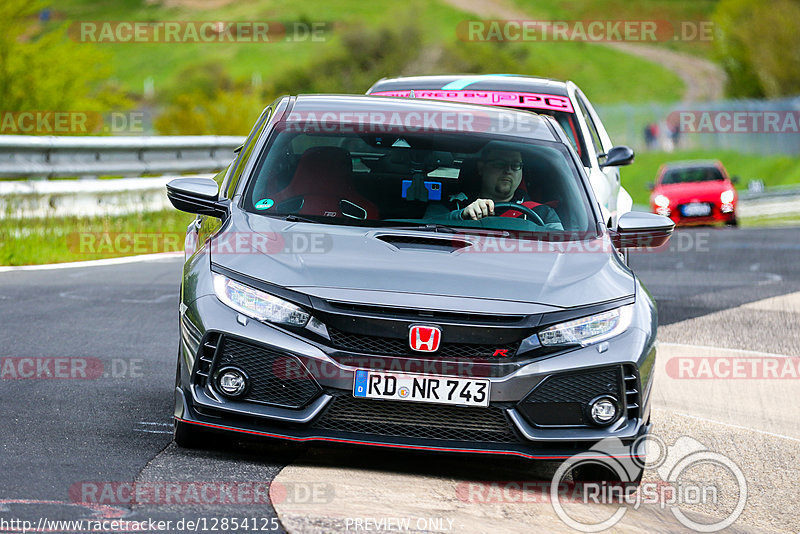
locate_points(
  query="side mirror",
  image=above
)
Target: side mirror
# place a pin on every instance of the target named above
(651, 186)
(196, 195)
(637, 229)
(734, 179)
(618, 156)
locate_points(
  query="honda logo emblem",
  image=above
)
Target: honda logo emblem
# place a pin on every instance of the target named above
(423, 338)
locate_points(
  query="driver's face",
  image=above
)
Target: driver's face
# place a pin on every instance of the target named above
(499, 180)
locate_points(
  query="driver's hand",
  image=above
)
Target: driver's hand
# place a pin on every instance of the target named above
(482, 207)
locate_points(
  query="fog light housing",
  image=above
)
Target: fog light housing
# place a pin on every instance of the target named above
(604, 410)
(231, 382)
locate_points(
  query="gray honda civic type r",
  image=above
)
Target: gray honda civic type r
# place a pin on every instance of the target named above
(413, 274)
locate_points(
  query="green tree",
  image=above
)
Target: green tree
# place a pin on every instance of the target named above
(222, 113)
(41, 69)
(758, 44)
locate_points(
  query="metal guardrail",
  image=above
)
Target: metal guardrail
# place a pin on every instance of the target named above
(24, 156)
(776, 191)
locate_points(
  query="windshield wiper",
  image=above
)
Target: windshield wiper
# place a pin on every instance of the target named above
(425, 227)
(298, 218)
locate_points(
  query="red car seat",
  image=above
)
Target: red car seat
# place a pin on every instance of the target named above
(323, 185)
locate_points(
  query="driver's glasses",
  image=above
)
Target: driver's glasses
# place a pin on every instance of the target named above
(501, 164)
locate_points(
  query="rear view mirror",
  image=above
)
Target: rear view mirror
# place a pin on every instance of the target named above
(618, 156)
(637, 229)
(196, 195)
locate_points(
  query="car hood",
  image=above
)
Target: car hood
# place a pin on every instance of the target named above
(694, 190)
(402, 267)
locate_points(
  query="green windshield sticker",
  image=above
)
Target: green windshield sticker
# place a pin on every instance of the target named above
(264, 204)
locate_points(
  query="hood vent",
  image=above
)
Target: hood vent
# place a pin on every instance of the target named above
(414, 242)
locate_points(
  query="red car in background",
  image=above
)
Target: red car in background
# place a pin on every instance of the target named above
(695, 192)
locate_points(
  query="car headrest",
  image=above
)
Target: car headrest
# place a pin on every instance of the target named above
(322, 170)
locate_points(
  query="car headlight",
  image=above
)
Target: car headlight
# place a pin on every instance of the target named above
(661, 201)
(588, 330)
(257, 304)
(726, 197)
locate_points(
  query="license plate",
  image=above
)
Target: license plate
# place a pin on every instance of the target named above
(421, 388)
(696, 209)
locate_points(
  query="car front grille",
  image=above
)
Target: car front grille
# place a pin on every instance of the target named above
(416, 420)
(275, 378)
(386, 346)
(562, 399)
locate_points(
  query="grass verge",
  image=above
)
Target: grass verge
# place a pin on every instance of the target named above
(57, 240)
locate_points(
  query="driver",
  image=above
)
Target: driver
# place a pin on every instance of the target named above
(500, 172)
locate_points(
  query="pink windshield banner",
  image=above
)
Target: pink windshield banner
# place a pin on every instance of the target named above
(491, 98)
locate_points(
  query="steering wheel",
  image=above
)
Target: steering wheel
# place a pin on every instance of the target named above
(508, 206)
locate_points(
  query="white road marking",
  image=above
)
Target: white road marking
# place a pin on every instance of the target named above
(152, 431)
(162, 298)
(710, 348)
(740, 427)
(157, 424)
(69, 295)
(93, 263)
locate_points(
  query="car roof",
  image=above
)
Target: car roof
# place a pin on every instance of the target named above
(692, 164)
(486, 119)
(484, 82)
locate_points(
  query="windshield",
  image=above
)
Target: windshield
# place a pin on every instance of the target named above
(570, 125)
(419, 179)
(696, 174)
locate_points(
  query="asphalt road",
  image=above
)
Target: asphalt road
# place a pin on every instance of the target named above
(96, 421)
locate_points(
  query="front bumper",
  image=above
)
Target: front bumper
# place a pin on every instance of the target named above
(502, 429)
(719, 214)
